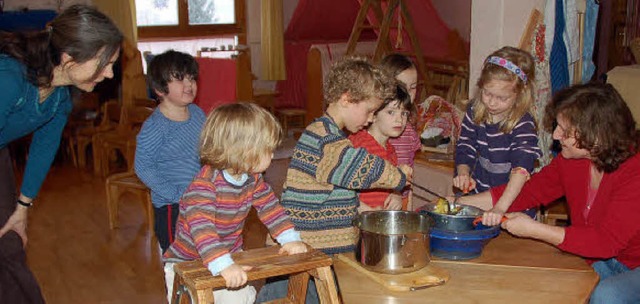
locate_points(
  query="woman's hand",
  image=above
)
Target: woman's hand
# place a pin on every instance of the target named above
(520, 224)
(393, 202)
(235, 275)
(293, 248)
(492, 217)
(481, 200)
(18, 223)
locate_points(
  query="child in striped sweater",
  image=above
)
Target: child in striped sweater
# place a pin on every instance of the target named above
(167, 146)
(236, 145)
(498, 139)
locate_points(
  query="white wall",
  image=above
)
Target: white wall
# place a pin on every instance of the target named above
(494, 24)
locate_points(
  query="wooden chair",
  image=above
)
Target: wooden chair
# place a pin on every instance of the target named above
(194, 281)
(120, 183)
(554, 212)
(83, 116)
(118, 138)
(110, 112)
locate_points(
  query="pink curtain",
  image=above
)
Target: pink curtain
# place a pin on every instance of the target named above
(216, 82)
(330, 21)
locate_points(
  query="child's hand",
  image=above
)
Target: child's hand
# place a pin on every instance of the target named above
(492, 217)
(293, 248)
(235, 275)
(393, 202)
(407, 170)
(364, 207)
(464, 182)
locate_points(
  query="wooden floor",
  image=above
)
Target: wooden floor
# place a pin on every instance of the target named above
(77, 258)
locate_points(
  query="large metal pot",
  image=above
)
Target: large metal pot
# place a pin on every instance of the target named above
(393, 241)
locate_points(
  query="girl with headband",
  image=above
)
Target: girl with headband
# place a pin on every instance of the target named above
(498, 141)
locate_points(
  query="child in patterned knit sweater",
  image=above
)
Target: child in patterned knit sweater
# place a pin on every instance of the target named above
(167, 146)
(236, 145)
(408, 143)
(326, 170)
(389, 121)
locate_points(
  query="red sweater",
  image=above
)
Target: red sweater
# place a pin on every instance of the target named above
(362, 139)
(612, 229)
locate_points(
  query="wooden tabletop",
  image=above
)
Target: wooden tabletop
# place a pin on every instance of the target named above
(510, 270)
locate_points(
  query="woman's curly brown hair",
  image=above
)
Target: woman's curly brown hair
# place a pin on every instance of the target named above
(599, 119)
(359, 79)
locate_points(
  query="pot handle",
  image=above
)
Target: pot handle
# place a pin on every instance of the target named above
(440, 282)
(356, 221)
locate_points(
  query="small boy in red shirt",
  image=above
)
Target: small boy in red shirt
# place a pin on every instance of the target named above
(389, 121)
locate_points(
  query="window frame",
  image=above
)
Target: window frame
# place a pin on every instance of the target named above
(184, 30)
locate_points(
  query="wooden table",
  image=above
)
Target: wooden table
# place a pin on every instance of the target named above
(510, 270)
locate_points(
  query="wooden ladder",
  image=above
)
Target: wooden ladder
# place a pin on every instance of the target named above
(383, 24)
(193, 279)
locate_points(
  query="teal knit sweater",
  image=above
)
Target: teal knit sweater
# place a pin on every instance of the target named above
(22, 114)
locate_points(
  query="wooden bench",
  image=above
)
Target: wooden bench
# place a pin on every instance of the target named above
(194, 279)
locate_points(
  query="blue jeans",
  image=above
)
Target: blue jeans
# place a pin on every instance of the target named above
(277, 288)
(617, 283)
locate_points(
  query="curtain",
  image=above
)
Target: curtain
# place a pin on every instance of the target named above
(272, 44)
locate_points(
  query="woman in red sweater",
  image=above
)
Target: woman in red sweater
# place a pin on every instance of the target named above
(598, 172)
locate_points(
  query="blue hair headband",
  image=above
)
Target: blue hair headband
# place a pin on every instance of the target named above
(509, 66)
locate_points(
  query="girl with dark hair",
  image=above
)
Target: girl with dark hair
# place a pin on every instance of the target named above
(78, 48)
(598, 172)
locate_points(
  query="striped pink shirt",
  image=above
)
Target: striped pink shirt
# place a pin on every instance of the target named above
(406, 145)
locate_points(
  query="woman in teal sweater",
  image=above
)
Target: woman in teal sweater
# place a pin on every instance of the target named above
(78, 48)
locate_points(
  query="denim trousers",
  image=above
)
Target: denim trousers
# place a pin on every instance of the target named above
(618, 284)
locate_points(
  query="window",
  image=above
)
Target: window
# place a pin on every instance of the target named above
(189, 18)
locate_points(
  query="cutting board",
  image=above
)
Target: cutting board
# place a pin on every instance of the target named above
(428, 276)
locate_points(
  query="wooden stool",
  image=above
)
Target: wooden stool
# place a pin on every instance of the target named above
(265, 98)
(194, 278)
(292, 118)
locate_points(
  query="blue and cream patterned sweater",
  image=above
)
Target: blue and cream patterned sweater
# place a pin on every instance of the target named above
(320, 193)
